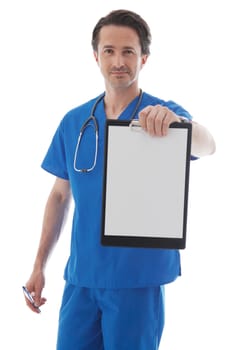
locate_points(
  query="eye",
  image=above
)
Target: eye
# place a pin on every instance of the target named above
(108, 51)
(128, 52)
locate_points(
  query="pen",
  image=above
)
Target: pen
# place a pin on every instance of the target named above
(30, 298)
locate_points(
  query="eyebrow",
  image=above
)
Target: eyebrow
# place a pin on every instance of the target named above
(124, 47)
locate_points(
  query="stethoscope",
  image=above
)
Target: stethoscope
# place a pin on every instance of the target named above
(92, 122)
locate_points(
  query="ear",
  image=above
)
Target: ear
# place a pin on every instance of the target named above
(144, 59)
(95, 56)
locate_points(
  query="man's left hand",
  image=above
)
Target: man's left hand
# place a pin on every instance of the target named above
(156, 119)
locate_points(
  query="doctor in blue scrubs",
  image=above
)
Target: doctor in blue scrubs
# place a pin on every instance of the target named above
(114, 296)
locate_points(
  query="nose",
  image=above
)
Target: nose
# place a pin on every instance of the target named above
(118, 60)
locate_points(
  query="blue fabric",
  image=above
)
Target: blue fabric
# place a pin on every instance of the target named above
(111, 319)
(90, 264)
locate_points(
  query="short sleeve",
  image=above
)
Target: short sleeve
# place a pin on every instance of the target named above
(55, 159)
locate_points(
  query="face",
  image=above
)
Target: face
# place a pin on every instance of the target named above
(119, 56)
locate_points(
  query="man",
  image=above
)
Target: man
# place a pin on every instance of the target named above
(113, 297)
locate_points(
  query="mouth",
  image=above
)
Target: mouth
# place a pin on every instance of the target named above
(119, 73)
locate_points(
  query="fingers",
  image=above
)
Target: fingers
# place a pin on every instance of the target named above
(156, 120)
(37, 299)
(33, 299)
(32, 304)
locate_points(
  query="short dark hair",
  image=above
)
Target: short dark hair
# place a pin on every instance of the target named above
(128, 19)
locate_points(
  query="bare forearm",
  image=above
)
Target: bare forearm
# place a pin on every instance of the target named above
(202, 141)
(54, 218)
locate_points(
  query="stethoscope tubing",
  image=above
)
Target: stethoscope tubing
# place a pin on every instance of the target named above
(95, 126)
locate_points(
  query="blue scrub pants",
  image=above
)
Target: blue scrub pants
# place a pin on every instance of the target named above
(111, 319)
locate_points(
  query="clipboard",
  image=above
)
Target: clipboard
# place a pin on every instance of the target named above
(145, 186)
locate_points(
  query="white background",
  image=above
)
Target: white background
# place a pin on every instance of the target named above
(47, 68)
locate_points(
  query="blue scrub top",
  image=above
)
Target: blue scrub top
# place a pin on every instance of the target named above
(90, 264)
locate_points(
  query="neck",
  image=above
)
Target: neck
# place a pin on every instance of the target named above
(116, 101)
